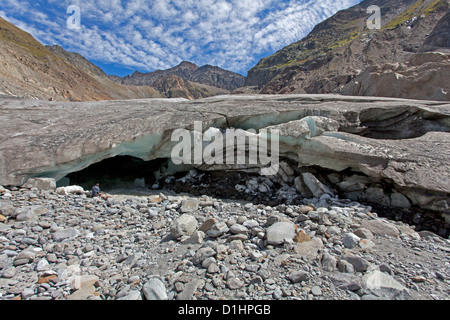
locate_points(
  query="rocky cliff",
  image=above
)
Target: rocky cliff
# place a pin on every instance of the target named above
(423, 76)
(342, 47)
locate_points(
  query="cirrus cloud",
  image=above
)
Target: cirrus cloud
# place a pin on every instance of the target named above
(158, 34)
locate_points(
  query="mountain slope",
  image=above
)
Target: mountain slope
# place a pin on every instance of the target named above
(31, 70)
(340, 48)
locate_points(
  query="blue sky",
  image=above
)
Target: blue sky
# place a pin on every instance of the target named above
(124, 36)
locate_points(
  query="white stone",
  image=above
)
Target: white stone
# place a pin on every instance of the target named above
(384, 285)
(279, 232)
(154, 289)
(185, 225)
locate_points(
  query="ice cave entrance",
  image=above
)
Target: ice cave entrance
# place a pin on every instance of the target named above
(117, 172)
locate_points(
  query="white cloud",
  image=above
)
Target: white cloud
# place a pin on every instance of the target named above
(159, 34)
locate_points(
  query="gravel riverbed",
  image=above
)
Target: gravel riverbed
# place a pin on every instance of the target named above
(157, 244)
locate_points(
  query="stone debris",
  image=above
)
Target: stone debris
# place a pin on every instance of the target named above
(200, 247)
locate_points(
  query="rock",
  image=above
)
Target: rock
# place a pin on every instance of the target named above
(383, 285)
(358, 263)
(132, 295)
(346, 281)
(364, 233)
(29, 213)
(354, 183)
(189, 289)
(328, 262)
(79, 281)
(24, 257)
(366, 244)
(196, 238)
(237, 245)
(69, 190)
(286, 172)
(213, 268)
(301, 236)
(381, 228)
(185, 225)
(350, 240)
(234, 283)
(279, 232)
(398, 200)
(65, 235)
(202, 254)
(27, 293)
(83, 293)
(46, 278)
(189, 205)
(316, 291)
(345, 266)
(406, 230)
(298, 276)
(250, 223)
(154, 289)
(309, 249)
(316, 187)
(42, 265)
(218, 229)
(301, 188)
(303, 209)
(376, 195)
(238, 229)
(8, 271)
(45, 184)
(208, 224)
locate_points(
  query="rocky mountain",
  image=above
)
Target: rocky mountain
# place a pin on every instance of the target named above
(173, 86)
(207, 75)
(77, 60)
(32, 70)
(342, 48)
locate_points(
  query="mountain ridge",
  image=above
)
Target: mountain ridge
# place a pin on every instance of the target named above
(34, 71)
(207, 74)
(341, 48)
(340, 55)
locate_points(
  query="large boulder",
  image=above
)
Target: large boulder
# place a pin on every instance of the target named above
(41, 184)
(384, 286)
(279, 232)
(185, 225)
(154, 289)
